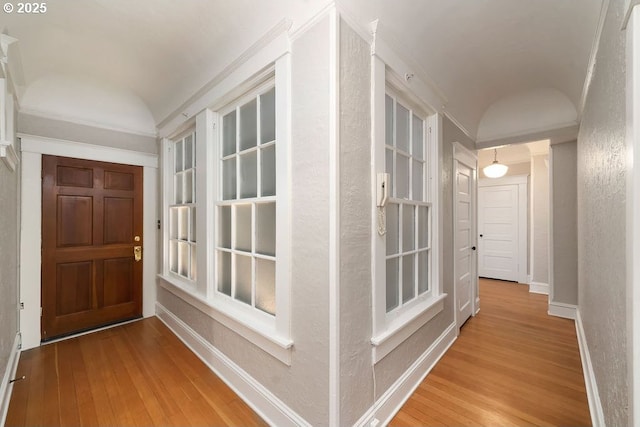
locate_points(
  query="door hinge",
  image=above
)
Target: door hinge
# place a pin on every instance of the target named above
(21, 306)
(40, 311)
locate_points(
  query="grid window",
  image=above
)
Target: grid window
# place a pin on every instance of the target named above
(408, 212)
(246, 211)
(182, 210)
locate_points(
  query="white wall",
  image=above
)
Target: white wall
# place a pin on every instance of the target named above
(539, 264)
(564, 230)
(602, 233)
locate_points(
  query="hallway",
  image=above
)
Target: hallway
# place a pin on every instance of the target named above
(512, 365)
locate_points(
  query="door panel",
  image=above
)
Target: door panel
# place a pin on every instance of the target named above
(464, 246)
(91, 212)
(498, 229)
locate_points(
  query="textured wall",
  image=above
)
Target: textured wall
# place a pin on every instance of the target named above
(564, 222)
(356, 382)
(40, 126)
(601, 219)
(9, 249)
(303, 386)
(540, 219)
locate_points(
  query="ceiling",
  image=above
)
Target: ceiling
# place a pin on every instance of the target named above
(496, 56)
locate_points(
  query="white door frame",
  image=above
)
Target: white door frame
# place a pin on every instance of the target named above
(521, 181)
(468, 158)
(33, 147)
(632, 214)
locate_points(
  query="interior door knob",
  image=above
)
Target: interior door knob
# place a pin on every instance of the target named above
(473, 248)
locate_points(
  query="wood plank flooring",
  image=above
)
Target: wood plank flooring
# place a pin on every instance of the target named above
(512, 365)
(137, 374)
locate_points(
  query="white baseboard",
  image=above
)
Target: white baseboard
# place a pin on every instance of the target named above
(260, 399)
(558, 309)
(595, 405)
(385, 408)
(5, 387)
(539, 288)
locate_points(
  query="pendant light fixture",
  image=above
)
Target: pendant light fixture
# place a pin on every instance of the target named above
(495, 169)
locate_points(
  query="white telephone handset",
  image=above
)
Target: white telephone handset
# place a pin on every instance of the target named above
(382, 189)
(382, 195)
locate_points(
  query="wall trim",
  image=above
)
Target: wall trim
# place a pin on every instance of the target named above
(387, 405)
(258, 397)
(5, 387)
(592, 58)
(8, 155)
(555, 135)
(539, 288)
(558, 309)
(595, 405)
(82, 150)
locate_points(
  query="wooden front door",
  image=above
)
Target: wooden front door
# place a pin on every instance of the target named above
(91, 223)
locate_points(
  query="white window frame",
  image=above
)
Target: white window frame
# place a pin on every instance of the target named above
(271, 333)
(393, 328)
(169, 201)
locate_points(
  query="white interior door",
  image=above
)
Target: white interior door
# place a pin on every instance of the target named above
(465, 259)
(498, 231)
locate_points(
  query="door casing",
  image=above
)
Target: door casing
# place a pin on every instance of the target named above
(32, 149)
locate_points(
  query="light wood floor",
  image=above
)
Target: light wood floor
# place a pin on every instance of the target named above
(512, 365)
(135, 374)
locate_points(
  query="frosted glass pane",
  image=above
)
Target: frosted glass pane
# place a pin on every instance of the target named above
(243, 278)
(392, 229)
(402, 128)
(423, 272)
(173, 224)
(229, 133)
(408, 233)
(388, 166)
(224, 227)
(194, 259)
(417, 180)
(178, 188)
(192, 224)
(393, 289)
(243, 228)
(188, 152)
(423, 226)
(402, 176)
(249, 175)
(178, 156)
(417, 137)
(183, 259)
(173, 256)
(229, 179)
(266, 228)
(268, 116)
(224, 272)
(266, 286)
(188, 187)
(388, 120)
(183, 224)
(408, 278)
(268, 171)
(248, 125)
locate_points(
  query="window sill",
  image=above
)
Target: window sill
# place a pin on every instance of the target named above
(404, 326)
(262, 336)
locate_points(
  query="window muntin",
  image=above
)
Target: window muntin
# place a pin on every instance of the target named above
(245, 248)
(408, 211)
(182, 208)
